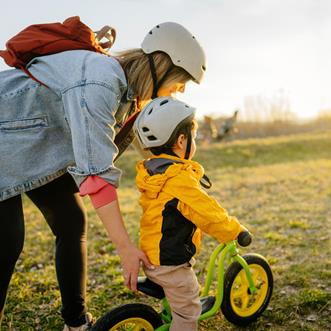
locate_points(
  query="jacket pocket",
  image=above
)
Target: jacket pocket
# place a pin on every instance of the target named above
(24, 124)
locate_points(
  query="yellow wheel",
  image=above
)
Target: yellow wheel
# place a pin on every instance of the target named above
(133, 317)
(239, 306)
(133, 323)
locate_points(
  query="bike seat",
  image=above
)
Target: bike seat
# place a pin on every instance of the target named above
(207, 303)
(150, 288)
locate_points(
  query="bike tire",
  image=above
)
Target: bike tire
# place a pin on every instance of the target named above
(127, 316)
(239, 306)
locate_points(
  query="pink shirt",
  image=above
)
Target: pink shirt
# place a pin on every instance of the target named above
(101, 192)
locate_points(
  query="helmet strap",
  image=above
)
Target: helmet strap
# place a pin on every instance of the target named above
(188, 146)
(153, 73)
(156, 84)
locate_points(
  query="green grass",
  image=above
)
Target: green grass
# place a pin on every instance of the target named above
(280, 188)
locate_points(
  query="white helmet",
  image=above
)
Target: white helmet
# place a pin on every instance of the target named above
(158, 120)
(182, 47)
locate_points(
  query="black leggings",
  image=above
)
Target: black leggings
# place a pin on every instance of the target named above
(62, 209)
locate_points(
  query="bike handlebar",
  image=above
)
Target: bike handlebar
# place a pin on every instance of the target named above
(244, 238)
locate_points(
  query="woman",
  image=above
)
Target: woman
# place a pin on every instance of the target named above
(58, 141)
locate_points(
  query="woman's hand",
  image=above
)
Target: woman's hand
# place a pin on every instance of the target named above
(131, 258)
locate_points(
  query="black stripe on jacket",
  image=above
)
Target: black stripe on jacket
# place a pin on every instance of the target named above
(176, 246)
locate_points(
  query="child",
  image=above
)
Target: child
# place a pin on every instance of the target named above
(175, 208)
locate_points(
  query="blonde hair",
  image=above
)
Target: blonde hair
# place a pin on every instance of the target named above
(136, 67)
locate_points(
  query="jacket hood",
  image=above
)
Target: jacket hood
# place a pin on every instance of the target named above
(150, 179)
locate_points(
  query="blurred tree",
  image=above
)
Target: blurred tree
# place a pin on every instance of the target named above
(275, 108)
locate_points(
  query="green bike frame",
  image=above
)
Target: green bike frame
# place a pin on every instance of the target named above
(221, 253)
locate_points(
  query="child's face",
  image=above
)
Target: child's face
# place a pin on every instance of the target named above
(180, 147)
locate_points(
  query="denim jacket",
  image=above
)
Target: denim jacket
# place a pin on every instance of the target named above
(69, 126)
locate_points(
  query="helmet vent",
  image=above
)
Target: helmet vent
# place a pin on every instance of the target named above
(145, 129)
(203, 68)
(150, 112)
(193, 37)
(163, 102)
(150, 32)
(152, 138)
(157, 26)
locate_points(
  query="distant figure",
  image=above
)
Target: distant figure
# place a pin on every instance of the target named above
(227, 127)
(207, 131)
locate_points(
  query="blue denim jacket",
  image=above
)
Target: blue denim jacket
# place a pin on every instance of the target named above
(70, 126)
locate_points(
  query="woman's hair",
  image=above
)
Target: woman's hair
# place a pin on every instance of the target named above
(184, 127)
(136, 67)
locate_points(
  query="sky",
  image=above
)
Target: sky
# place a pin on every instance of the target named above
(254, 48)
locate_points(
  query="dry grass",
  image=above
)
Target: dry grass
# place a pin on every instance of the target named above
(272, 128)
(280, 188)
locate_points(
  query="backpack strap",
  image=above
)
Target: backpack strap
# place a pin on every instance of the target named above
(108, 33)
(205, 182)
(126, 135)
(33, 77)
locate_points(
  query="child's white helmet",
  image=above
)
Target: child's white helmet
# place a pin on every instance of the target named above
(182, 47)
(158, 120)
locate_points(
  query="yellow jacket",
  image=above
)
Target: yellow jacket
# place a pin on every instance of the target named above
(176, 210)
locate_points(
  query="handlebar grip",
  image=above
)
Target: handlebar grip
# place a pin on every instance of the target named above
(244, 239)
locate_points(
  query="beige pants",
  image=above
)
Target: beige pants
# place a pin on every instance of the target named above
(181, 288)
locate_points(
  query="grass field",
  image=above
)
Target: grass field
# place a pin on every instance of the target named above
(280, 188)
